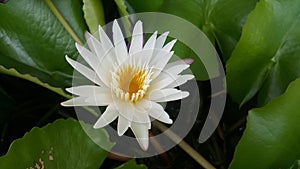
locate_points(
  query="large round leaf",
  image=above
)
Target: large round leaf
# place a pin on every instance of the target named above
(33, 41)
(271, 138)
(62, 144)
(266, 59)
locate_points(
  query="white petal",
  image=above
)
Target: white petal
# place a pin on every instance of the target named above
(143, 105)
(158, 112)
(184, 61)
(141, 117)
(105, 41)
(176, 69)
(76, 101)
(181, 80)
(107, 117)
(85, 71)
(106, 66)
(176, 96)
(109, 58)
(161, 40)
(141, 133)
(146, 54)
(141, 58)
(164, 116)
(165, 95)
(160, 61)
(157, 94)
(102, 67)
(137, 38)
(104, 63)
(167, 76)
(123, 125)
(94, 45)
(163, 80)
(151, 41)
(169, 45)
(87, 90)
(119, 42)
(88, 56)
(102, 99)
(126, 109)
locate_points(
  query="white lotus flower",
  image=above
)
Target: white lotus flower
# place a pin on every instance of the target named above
(129, 83)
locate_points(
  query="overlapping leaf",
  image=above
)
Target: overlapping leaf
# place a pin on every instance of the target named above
(266, 59)
(271, 139)
(62, 144)
(34, 42)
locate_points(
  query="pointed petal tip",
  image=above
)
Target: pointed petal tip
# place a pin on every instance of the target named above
(185, 94)
(144, 143)
(62, 104)
(189, 60)
(87, 35)
(98, 125)
(120, 133)
(139, 22)
(115, 22)
(95, 126)
(67, 57)
(69, 90)
(169, 121)
(166, 33)
(173, 41)
(123, 125)
(65, 104)
(78, 46)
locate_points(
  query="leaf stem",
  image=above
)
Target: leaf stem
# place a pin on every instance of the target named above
(185, 146)
(62, 20)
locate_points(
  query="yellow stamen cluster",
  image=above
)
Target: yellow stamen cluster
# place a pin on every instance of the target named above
(130, 83)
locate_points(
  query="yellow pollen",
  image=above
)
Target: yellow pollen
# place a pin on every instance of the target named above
(132, 82)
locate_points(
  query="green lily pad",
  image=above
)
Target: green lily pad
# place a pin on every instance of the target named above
(271, 138)
(266, 59)
(72, 12)
(34, 42)
(62, 144)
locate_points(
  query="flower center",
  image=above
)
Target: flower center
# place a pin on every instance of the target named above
(130, 83)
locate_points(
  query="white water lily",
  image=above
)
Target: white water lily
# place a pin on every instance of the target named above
(131, 83)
